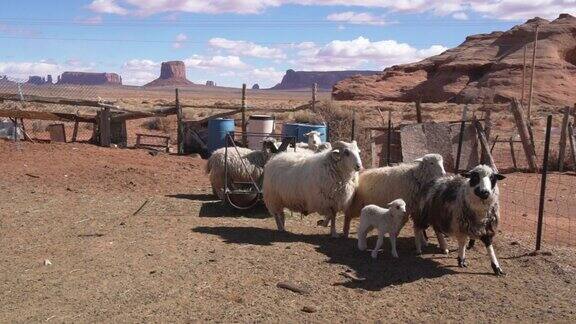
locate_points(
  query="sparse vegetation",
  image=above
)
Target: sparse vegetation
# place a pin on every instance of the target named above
(158, 123)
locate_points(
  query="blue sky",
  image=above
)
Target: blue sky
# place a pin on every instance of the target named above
(236, 41)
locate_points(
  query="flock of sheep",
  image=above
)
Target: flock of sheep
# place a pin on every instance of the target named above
(328, 179)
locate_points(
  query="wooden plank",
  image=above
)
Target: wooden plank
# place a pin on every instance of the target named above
(563, 137)
(484, 145)
(487, 131)
(57, 100)
(179, 118)
(44, 115)
(522, 127)
(513, 154)
(314, 91)
(153, 135)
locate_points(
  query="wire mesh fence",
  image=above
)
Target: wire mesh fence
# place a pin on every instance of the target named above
(520, 192)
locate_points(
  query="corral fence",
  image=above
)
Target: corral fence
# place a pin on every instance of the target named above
(538, 197)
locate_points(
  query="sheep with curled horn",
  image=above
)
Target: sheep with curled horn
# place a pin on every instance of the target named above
(462, 206)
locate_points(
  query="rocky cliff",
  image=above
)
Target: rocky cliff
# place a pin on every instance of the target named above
(325, 80)
(89, 78)
(172, 73)
(484, 67)
(38, 80)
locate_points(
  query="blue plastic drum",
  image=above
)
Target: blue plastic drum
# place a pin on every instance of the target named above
(217, 130)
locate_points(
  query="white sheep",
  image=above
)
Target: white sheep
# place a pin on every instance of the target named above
(463, 206)
(307, 183)
(314, 141)
(386, 220)
(244, 165)
(379, 186)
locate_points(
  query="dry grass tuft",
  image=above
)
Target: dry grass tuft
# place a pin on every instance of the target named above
(158, 123)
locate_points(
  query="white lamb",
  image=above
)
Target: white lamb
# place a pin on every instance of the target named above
(387, 221)
(308, 183)
(314, 141)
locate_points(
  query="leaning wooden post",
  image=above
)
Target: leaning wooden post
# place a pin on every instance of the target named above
(244, 137)
(180, 126)
(563, 136)
(532, 74)
(522, 126)
(543, 184)
(461, 138)
(523, 76)
(572, 139)
(314, 91)
(75, 131)
(484, 145)
(389, 139)
(487, 129)
(419, 111)
(104, 127)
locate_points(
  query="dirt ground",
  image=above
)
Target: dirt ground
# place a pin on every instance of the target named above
(184, 257)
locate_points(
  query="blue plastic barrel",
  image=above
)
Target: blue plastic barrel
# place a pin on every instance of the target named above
(218, 128)
(290, 130)
(305, 128)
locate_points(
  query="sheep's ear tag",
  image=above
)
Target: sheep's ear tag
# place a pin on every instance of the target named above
(336, 154)
(466, 175)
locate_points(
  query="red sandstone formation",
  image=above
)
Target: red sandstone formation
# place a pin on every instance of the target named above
(484, 67)
(172, 73)
(325, 79)
(89, 78)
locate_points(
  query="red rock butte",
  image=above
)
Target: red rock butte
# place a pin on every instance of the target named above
(89, 78)
(172, 73)
(485, 68)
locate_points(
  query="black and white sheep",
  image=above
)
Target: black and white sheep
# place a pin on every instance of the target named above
(379, 186)
(323, 182)
(386, 220)
(463, 206)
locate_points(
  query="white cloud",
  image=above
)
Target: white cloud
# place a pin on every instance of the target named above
(361, 52)
(107, 6)
(501, 9)
(215, 62)
(180, 38)
(357, 18)
(245, 48)
(139, 71)
(20, 71)
(94, 20)
(460, 15)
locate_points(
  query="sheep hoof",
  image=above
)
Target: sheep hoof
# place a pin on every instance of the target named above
(470, 244)
(446, 251)
(395, 255)
(418, 252)
(321, 222)
(375, 255)
(497, 270)
(462, 263)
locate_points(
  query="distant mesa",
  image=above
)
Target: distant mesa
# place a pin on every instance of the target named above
(293, 80)
(172, 73)
(38, 80)
(89, 78)
(210, 83)
(255, 86)
(484, 68)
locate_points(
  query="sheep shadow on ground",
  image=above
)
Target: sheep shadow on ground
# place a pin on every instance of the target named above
(220, 209)
(374, 274)
(198, 197)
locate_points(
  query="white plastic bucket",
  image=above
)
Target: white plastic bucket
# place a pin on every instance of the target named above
(258, 128)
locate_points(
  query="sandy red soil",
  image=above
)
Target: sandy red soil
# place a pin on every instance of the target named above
(184, 257)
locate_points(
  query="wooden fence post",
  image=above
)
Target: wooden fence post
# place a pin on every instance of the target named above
(572, 139)
(419, 111)
(563, 136)
(543, 184)
(244, 137)
(487, 130)
(75, 131)
(314, 91)
(104, 127)
(389, 139)
(353, 135)
(484, 145)
(461, 138)
(180, 126)
(522, 126)
(532, 74)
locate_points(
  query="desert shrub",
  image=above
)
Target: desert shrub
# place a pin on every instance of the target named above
(158, 123)
(307, 117)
